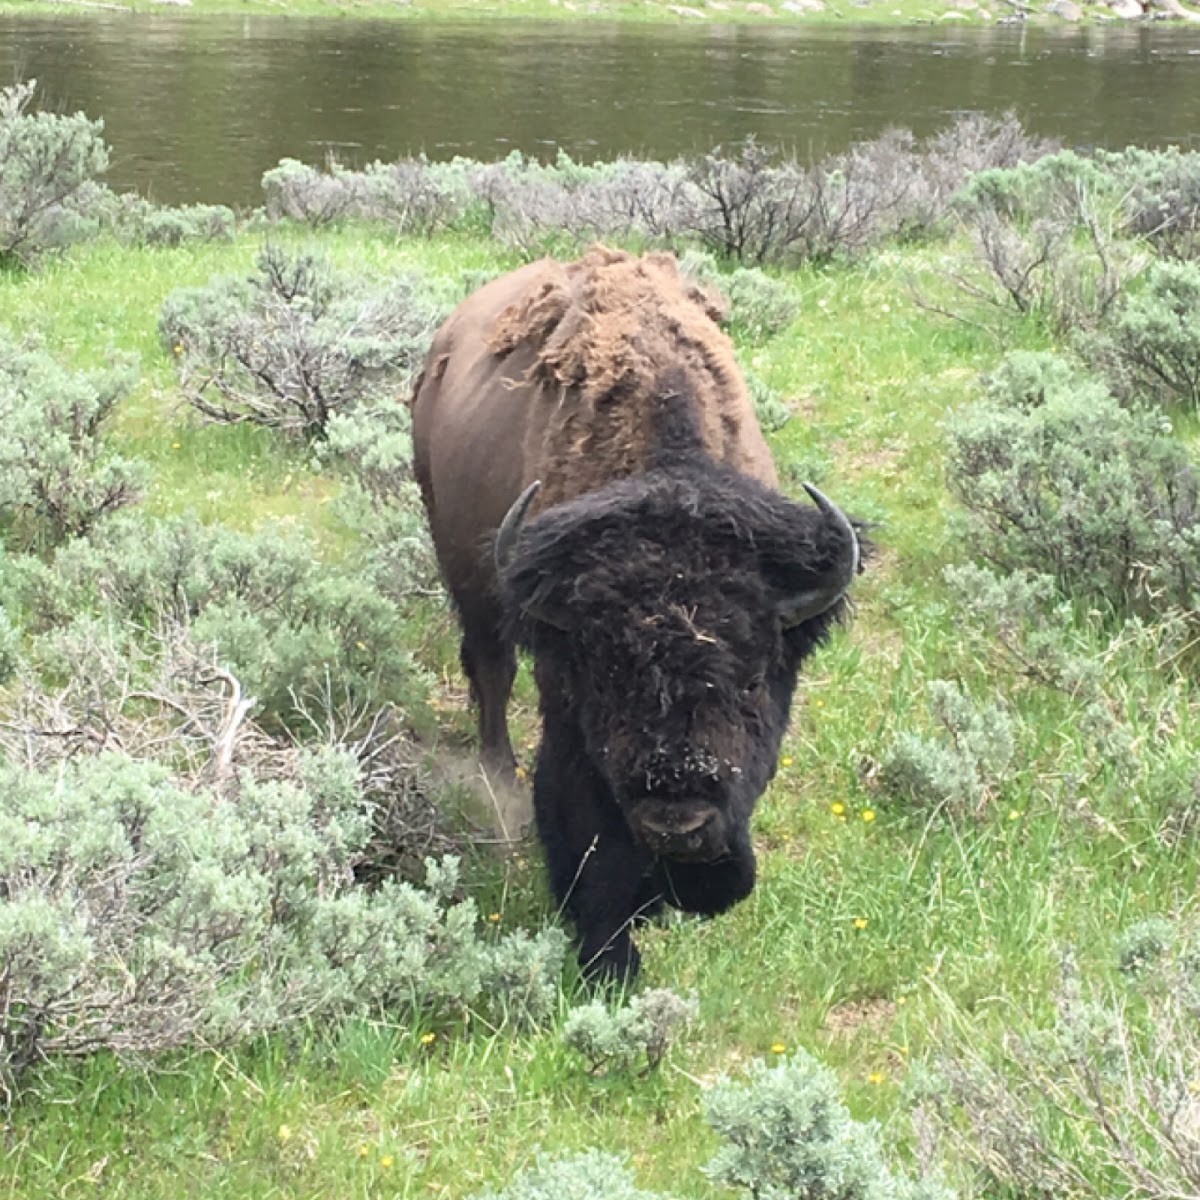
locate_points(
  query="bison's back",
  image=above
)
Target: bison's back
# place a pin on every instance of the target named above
(554, 372)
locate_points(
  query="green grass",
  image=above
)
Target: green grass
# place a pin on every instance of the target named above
(870, 929)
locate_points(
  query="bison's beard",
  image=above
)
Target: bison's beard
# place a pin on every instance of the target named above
(708, 888)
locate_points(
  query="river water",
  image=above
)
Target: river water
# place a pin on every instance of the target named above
(197, 109)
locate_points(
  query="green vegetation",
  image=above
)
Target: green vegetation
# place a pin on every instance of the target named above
(832, 12)
(978, 861)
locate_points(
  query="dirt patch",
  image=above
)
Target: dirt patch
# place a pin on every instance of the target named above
(504, 810)
(848, 1019)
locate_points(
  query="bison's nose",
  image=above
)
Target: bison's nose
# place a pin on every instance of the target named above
(680, 831)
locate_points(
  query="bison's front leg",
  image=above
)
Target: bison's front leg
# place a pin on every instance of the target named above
(596, 869)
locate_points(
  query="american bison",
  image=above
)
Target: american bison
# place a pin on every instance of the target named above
(600, 492)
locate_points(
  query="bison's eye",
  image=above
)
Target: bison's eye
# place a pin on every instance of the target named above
(753, 684)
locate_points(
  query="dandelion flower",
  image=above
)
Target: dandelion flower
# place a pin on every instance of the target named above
(786, 762)
(868, 815)
(387, 1162)
(838, 808)
(877, 1077)
(778, 1048)
(1015, 815)
(860, 922)
(285, 1133)
(427, 1039)
(364, 1150)
(493, 917)
(176, 445)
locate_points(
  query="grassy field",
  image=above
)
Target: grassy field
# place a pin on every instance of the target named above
(873, 932)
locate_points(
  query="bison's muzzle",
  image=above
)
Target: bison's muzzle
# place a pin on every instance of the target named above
(681, 831)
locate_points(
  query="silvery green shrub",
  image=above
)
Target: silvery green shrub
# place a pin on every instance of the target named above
(1155, 334)
(1047, 242)
(769, 407)
(138, 222)
(1057, 477)
(1162, 197)
(759, 306)
(47, 163)
(958, 770)
(296, 342)
(638, 1033)
(1100, 1101)
(57, 477)
(287, 624)
(591, 1175)
(372, 446)
(788, 1135)
(141, 913)
(1143, 945)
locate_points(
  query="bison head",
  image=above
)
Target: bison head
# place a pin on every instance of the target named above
(668, 614)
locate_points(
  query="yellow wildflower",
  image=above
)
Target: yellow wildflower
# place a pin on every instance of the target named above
(494, 917)
(778, 1048)
(838, 808)
(1015, 815)
(387, 1162)
(522, 774)
(427, 1039)
(785, 762)
(285, 1133)
(877, 1077)
(868, 815)
(364, 1150)
(860, 922)
(176, 445)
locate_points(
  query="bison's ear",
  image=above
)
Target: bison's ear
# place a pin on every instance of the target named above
(823, 562)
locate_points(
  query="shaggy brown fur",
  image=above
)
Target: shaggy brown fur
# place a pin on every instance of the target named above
(602, 330)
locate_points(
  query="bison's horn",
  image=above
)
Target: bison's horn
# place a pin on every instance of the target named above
(815, 601)
(509, 533)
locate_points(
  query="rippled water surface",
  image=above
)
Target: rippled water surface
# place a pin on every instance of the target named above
(198, 109)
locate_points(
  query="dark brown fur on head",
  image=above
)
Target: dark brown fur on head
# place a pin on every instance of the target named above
(652, 609)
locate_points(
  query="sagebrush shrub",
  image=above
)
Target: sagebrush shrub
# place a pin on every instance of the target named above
(142, 914)
(47, 163)
(1047, 240)
(1155, 334)
(288, 625)
(1102, 1102)
(1162, 197)
(1059, 478)
(788, 1136)
(591, 1175)
(138, 222)
(759, 306)
(637, 1033)
(416, 197)
(957, 771)
(296, 342)
(57, 476)
(372, 447)
(1142, 946)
